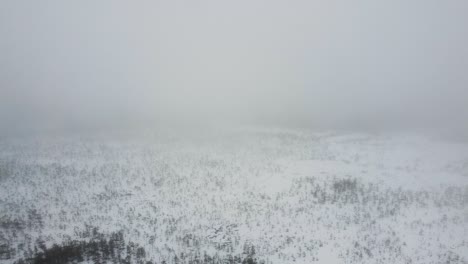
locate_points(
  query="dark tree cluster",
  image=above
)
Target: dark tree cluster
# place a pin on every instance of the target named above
(102, 249)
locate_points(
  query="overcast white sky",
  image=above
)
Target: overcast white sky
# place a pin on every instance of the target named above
(314, 63)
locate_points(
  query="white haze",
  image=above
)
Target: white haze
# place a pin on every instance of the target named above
(303, 63)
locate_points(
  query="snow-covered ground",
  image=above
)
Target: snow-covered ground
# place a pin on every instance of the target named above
(276, 196)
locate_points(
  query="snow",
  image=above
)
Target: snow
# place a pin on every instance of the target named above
(405, 197)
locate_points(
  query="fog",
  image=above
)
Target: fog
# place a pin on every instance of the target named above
(327, 64)
(241, 131)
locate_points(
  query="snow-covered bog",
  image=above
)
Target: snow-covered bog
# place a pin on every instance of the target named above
(236, 196)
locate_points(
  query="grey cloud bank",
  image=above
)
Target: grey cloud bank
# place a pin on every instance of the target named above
(308, 63)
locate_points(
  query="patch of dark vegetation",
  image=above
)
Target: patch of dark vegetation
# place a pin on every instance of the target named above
(12, 224)
(33, 221)
(100, 249)
(385, 201)
(345, 185)
(6, 252)
(115, 249)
